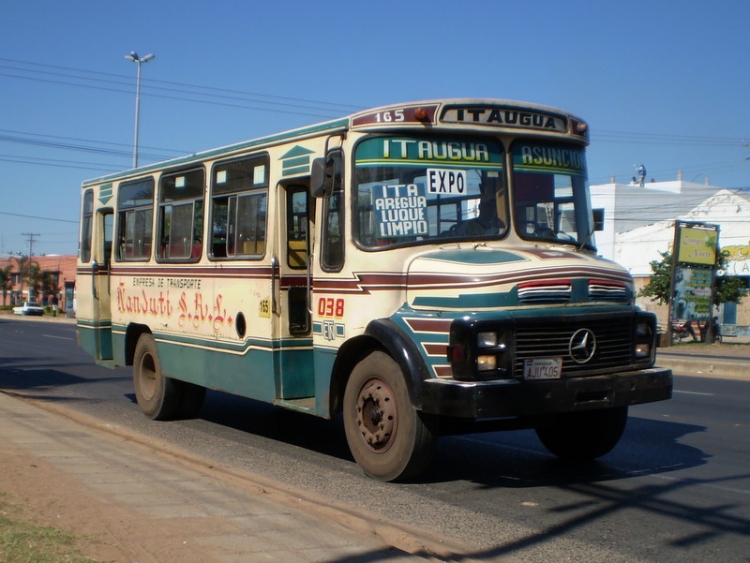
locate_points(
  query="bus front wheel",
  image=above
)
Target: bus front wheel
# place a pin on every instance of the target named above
(157, 395)
(583, 436)
(387, 436)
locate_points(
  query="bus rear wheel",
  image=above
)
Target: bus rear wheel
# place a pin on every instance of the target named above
(387, 436)
(158, 396)
(583, 436)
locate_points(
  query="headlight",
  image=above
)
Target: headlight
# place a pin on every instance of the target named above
(642, 350)
(642, 329)
(644, 339)
(487, 363)
(487, 339)
(479, 353)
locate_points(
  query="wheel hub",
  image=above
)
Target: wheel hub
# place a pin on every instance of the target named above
(376, 414)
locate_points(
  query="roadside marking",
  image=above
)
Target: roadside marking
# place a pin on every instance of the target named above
(58, 337)
(694, 393)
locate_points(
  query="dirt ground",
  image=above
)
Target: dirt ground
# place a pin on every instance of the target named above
(106, 532)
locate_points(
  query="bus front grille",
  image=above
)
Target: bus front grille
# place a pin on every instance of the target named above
(613, 349)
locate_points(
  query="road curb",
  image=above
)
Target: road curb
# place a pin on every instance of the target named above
(715, 367)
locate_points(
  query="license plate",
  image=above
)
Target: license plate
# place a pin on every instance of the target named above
(542, 368)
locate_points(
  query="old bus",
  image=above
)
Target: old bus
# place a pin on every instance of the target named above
(419, 269)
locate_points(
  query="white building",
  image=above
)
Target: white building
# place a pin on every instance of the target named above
(639, 224)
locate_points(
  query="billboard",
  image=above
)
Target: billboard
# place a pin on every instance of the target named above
(693, 271)
(697, 244)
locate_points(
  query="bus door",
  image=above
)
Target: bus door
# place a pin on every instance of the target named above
(101, 274)
(291, 298)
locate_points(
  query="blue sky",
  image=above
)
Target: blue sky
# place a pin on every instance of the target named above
(660, 83)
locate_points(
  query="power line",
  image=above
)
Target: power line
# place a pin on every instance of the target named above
(182, 86)
(217, 96)
(59, 142)
(661, 138)
(275, 103)
(57, 163)
(37, 218)
(288, 104)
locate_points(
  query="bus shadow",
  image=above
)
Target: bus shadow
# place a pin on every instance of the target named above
(41, 380)
(512, 459)
(518, 459)
(267, 421)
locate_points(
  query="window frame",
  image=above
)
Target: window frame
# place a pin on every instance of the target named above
(226, 203)
(87, 225)
(194, 196)
(127, 250)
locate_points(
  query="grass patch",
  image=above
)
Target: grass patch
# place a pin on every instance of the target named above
(22, 541)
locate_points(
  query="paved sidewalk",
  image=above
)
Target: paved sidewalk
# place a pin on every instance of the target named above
(730, 359)
(207, 518)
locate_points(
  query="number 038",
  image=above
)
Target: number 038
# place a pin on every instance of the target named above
(330, 307)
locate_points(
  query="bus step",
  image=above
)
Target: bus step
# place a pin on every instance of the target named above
(306, 404)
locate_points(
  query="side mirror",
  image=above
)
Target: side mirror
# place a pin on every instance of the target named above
(325, 176)
(598, 219)
(317, 178)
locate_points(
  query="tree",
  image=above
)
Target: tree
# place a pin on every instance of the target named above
(30, 273)
(727, 289)
(49, 284)
(6, 276)
(659, 286)
(34, 279)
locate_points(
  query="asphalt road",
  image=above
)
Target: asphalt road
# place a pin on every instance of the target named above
(676, 489)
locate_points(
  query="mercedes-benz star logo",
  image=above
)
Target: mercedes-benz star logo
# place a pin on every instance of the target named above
(582, 345)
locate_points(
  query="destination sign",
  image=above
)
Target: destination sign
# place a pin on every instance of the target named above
(400, 210)
(412, 150)
(505, 116)
(549, 158)
(397, 116)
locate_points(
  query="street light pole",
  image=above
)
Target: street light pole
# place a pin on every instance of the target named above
(133, 56)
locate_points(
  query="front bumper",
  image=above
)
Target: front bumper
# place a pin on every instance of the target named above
(512, 398)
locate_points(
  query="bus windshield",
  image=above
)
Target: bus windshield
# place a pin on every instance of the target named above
(550, 193)
(424, 189)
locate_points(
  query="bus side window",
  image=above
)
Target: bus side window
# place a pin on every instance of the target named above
(181, 215)
(332, 258)
(239, 208)
(250, 225)
(87, 225)
(219, 227)
(296, 227)
(108, 222)
(135, 213)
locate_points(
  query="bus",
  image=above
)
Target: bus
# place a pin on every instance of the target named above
(417, 270)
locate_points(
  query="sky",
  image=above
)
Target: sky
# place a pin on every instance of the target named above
(664, 84)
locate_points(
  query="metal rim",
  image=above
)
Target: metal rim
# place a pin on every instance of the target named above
(377, 414)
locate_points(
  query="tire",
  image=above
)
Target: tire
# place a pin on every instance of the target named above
(584, 436)
(191, 399)
(157, 395)
(387, 436)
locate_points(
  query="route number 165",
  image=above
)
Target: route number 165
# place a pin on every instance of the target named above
(394, 116)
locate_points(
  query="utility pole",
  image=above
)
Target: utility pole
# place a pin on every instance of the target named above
(31, 253)
(133, 56)
(31, 241)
